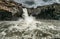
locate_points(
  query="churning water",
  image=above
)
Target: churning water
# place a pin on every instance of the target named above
(28, 28)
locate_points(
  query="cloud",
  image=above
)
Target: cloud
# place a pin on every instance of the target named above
(35, 3)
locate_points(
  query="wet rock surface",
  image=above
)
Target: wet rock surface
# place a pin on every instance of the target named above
(46, 12)
(51, 11)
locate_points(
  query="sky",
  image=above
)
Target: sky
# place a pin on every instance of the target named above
(35, 3)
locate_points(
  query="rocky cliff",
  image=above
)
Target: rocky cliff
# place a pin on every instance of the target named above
(15, 9)
(49, 11)
(11, 7)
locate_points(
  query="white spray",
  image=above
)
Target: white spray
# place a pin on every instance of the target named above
(27, 18)
(27, 24)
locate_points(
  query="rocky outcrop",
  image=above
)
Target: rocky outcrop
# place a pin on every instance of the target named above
(48, 11)
(10, 7)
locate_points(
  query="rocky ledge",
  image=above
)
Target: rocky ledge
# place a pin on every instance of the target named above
(11, 9)
(46, 12)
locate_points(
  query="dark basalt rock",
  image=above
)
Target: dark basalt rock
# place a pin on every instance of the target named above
(5, 15)
(46, 12)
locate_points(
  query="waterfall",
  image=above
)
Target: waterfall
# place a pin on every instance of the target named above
(27, 18)
(25, 13)
(26, 28)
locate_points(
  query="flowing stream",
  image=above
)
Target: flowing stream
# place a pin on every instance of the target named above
(28, 28)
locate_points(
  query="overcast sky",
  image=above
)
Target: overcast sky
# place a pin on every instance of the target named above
(35, 3)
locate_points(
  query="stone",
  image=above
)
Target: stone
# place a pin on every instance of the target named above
(46, 12)
(10, 8)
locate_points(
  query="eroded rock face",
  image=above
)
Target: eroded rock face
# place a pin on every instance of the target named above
(49, 11)
(12, 7)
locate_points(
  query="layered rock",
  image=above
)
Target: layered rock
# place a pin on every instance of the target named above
(10, 6)
(48, 11)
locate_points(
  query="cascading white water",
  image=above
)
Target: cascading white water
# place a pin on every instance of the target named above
(27, 18)
(28, 21)
(27, 28)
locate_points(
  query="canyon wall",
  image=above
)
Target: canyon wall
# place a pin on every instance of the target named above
(11, 7)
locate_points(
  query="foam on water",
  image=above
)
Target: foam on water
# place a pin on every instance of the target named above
(28, 28)
(28, 21)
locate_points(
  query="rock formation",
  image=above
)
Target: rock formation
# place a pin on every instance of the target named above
(10, 6)
(48, 11)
